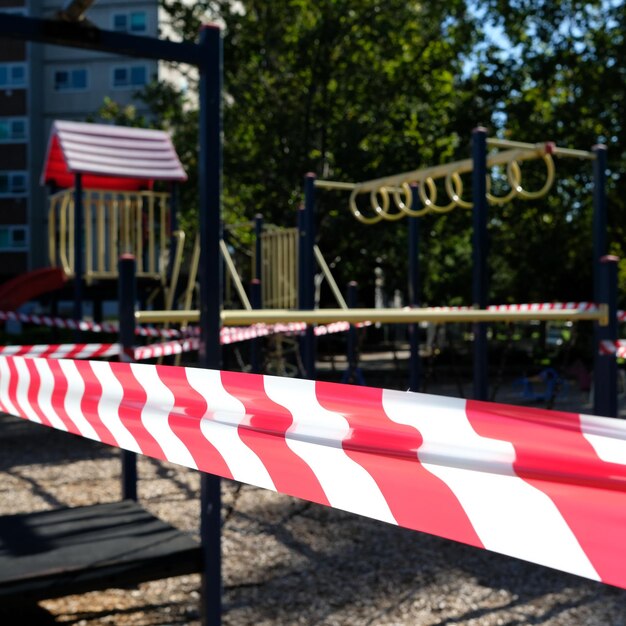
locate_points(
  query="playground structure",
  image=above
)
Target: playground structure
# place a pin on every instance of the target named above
(111, 208)
(104, 204)
(207, 55)
(414, 194)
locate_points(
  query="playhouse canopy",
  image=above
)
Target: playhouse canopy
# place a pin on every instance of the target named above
(109, 157)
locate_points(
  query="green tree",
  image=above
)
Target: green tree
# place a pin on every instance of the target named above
(348, 90)
(554, 71)
(356, 90)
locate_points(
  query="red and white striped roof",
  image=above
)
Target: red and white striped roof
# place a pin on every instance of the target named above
(109, 157)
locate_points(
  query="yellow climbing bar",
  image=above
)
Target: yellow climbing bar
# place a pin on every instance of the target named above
(385, 316)
(391, 197)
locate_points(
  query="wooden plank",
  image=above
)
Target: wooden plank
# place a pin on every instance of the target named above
(72, 550)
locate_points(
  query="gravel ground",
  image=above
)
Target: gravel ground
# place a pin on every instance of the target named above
(286, 561)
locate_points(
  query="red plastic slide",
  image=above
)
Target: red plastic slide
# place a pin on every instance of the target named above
(25, 287)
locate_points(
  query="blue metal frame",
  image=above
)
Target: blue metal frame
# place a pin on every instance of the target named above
(80, 35)
(211, 289)
(599, 227)
(353, 374)
(605, 366)
(258, 249)
(479, 244)
(127, 296)
(602, 402)
(306, 271)
(207, 56)
(78, 250)
(255, 301)
(414, 292)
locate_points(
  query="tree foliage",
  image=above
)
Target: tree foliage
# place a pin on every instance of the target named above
(556, 72)
(357, 90)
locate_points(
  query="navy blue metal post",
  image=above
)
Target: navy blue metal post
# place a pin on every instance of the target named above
(605, 371)
(258, 247)
(352, 337)
(414, 293)
(255, 301)
(600, 237)
(479, 243)
(306, 266)
(173, 226)
(599, 240)
(353, 374)
(78, 246)
(97, 309)
(211, 294)
(127, 296)
(174, 205)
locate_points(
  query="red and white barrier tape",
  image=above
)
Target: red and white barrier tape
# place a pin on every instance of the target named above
(234, 334)
(84, 325)
(59, 322)
(168, 348)
(547, 487)
(536, 306)
(63, 351)
(553, 306)
(528, 306)
(618, 348)
(101, 350)
(229, 335)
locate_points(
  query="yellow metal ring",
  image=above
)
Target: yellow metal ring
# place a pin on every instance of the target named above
(355, 210)
(430, 203)
(454, 189)
(383, 210)
(403, 205)
(406, 207)
(515, 177)
(500, 200)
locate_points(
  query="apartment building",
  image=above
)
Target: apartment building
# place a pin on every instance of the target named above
(41, 83)
(14, 137)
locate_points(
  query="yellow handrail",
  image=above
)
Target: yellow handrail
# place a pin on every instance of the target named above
(387, 316)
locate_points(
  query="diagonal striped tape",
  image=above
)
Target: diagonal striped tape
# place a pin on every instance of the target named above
(544, 486)
(618, 348)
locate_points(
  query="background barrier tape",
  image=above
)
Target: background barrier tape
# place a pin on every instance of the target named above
(147, 331)
(544, 486)
(618, 348)
(64, 351)
(168, 348)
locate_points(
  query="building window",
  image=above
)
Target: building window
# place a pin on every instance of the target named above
(130, 76)
(13, 238)
(13, 130)
(133, 22)
(12, 183)
(70, 80)
(12, 75)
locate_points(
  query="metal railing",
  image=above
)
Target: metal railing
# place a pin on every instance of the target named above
(115, 223)
(279, 263)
